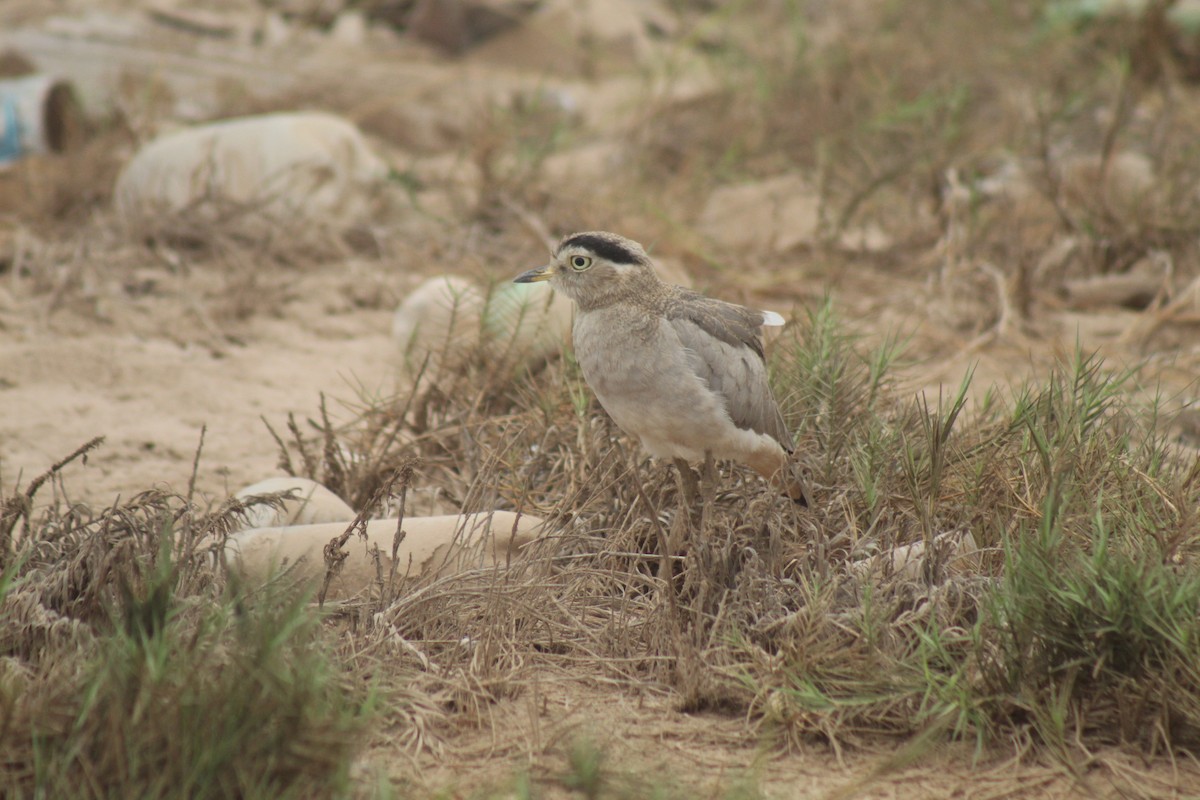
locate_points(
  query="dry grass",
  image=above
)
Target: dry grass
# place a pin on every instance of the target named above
(131, 666)
(1019, 572)
(1052, 533)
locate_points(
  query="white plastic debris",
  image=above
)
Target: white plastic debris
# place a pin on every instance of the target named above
(311, 503)
(293, 167)
(430, 546)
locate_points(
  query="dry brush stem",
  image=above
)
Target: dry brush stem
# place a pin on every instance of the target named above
(335, 556)
(19, 505)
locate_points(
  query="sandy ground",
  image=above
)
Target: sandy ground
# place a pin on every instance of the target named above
(150, 398)
(645, 742)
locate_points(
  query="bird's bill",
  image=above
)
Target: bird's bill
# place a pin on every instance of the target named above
(543, 273)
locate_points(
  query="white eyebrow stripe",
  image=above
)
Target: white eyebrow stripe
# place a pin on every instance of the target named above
(771, 319)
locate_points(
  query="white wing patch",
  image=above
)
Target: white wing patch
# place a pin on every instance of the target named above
(771, 319)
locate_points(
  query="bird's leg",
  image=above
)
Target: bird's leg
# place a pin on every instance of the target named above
(709, 473)
(689, 485)
(689, 501)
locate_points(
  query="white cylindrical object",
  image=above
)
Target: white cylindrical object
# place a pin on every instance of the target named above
(431, 546)
(37, 115)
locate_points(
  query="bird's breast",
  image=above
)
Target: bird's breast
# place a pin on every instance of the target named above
(647, 380)
(619, 353)
(640, 371)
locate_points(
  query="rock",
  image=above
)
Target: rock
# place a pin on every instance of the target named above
(957, 551)
(311, 503)
(349, 29)
(98, 25)
(1058, 260)
(772, 215)
(1136, 288)
(594, 161)
(195, 21)
(777, 215)
(455, 25)
(574, 37)
(446, 319)
(276, 31)
(527, 321)
(298, 168)
(1125, 185)
(432, 546)
(439, 321)
(13, 64)
(1130, 290)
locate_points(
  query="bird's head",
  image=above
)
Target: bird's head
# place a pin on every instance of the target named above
(596, 268)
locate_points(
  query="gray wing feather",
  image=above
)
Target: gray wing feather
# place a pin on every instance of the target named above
(733, 324)
(727, 354)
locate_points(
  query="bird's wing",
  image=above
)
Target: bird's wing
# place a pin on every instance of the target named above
(726, 352)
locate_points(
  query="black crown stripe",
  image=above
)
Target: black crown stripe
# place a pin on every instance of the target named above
(605, 248)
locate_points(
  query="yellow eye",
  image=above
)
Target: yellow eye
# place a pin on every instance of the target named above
(580, 263)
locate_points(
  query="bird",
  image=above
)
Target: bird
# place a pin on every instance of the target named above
(683, 373)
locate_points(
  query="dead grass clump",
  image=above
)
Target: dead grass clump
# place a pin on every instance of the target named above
(1006, 159)
(54, 193)
(866, 98)
(71, 259)
(129, 665)
(248, 232)
(196, 278)
(960, 571)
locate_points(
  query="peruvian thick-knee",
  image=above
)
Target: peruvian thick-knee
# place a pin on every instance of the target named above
(682, 372)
